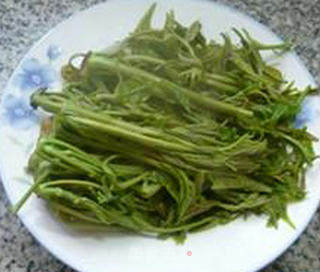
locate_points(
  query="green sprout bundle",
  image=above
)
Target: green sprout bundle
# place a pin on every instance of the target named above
(170, 133)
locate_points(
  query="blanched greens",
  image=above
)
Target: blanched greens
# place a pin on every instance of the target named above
(170, 133)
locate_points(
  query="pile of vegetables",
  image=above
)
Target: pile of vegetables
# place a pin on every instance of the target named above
(169, 133)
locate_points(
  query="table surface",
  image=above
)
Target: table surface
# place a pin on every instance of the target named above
(22, 22)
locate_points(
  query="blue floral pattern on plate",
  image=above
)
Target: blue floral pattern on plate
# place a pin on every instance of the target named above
(33, 74)
(53, 52)
(309, 112)
(18, 113)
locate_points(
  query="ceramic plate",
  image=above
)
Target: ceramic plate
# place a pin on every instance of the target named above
(242, 246)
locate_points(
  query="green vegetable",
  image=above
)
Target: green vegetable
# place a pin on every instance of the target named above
(171, 133)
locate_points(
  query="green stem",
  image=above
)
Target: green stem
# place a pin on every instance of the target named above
(42, 177)
(282, 46)
(15, 209)
(71, 182)
(95, 62)
(131, 182)
(220, 86)
(110, 120)
(298, 145)
(144, 58)
(42, 99)
(131, 136)
(76, 214)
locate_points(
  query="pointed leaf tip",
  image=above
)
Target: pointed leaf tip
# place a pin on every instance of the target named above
(145, 22)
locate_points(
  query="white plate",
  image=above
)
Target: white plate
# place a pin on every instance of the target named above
(242, 246)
